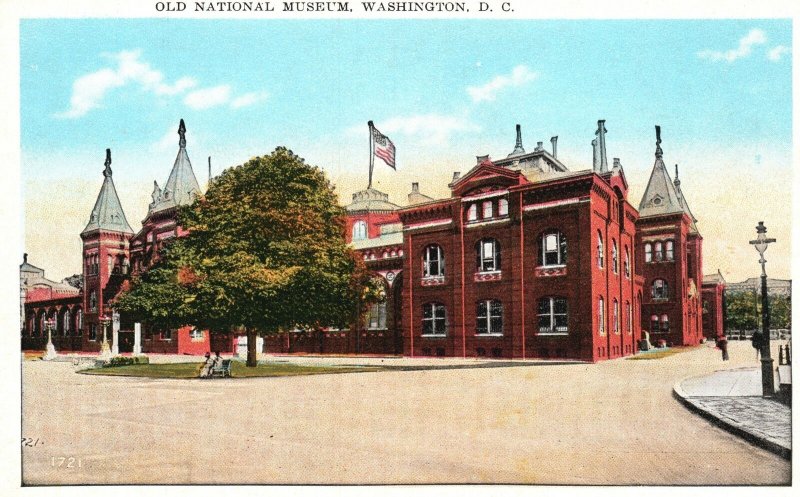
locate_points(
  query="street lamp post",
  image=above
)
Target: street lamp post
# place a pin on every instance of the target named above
(767, 378)
(105, 350)
(51, 350)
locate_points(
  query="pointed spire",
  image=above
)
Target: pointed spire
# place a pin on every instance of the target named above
(182, 134)
(660, 196)
(518, 148)
(107, 213)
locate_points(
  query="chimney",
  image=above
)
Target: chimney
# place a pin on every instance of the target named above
(456, 175)
(601, 143)
(554, 142)
(539, 147)
(415, 187)
(595, 158)
(482, 158)
(25, 258)
(617, 164)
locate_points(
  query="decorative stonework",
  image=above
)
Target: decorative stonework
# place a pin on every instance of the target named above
(432, 281)
(490, 276)
(550, 271)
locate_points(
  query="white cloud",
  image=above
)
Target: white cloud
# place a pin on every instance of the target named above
(745, 48)
(777, 52)
(424, 129)
(88, 91)
(488, 92)
(249, 99)
(208, 97)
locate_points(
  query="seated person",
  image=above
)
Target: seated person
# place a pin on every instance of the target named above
(205, 372)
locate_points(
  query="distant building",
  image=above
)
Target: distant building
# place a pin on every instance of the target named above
(774, 286)
(714, 305)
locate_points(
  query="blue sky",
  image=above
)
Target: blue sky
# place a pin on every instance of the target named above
(444, 91)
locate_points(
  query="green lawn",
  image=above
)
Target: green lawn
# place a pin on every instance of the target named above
(238, 370)
(659, 354)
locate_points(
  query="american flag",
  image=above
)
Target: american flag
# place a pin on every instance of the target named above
(384, 148)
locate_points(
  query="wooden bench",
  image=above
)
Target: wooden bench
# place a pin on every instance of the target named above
(222, 370)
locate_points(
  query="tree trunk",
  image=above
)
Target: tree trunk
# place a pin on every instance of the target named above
(251, 347)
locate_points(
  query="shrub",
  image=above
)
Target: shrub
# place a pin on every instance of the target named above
(126, 361)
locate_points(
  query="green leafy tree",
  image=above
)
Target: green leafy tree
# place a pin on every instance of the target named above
(265, 252)
(744, 310)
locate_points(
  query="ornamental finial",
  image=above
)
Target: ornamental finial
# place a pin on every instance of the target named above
(107, 170)
(659, 152)
(182, 133)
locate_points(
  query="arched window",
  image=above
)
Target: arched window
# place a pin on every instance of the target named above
(79, 322)
(502, 207)
(553, 251)
(664, 323)
(629, 312)
(601, 316)
(653, 324)
(600, 249)
(614, 257)
(359, 230)
(488, 209)
(627, 263)
(434, 319)
(488, 251)
(489, 319)
(659, 249)
(553, 315)
(615, 318)
(648, 252)
(660, 289)
(93, 300)
(433, 261)
(472, 212)
(670, 255)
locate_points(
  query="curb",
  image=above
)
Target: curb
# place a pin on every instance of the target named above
(763, 443)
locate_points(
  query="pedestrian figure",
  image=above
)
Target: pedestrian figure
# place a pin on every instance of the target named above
(205, 372)
(722, 344)
(758, 342)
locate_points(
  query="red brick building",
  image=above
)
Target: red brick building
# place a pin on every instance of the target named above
(713, 305)
(524, 259)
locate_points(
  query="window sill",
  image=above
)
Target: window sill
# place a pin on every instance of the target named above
(488, 334)
(432, 281)
(434, 336)
(488, 276)
(549, 334)
(486, 222)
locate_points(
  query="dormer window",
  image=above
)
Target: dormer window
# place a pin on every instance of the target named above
(359, 230)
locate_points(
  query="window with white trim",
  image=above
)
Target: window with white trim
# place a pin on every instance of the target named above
(630, 317)
(614, 257)
(359, 230)
(93, 300)
(434, 319)
(433, 261)
(488, 209)
(488, 251)
(648, 252)
(660, 289)
(664, 323)
(600, 255)
(502, 207)
(601, 316)
(670, 255)
(376, 317)
(553, 250)
(472, 212)
(615, 318)
(659, 251)
(553, 316)
(627, 263)
(489, 318)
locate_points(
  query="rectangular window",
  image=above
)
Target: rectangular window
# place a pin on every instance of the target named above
(93, 332)
(553, 315)
(433, 319)
(376, 319)
(195, 334)
(489, 317)
(502, 207)
(487, 209)
(472, 212)
(166, 335)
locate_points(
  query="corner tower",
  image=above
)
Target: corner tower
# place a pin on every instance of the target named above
(106, 256)
(669, 251)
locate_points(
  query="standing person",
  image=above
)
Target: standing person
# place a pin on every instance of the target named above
(758, 342)
(722, 344)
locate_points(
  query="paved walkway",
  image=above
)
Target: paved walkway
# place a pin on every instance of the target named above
(732, 400)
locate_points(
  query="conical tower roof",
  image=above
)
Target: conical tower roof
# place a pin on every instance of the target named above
(182, 186)
(107, 213)
(660, 196)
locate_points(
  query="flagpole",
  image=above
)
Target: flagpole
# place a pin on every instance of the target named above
(371, 153)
